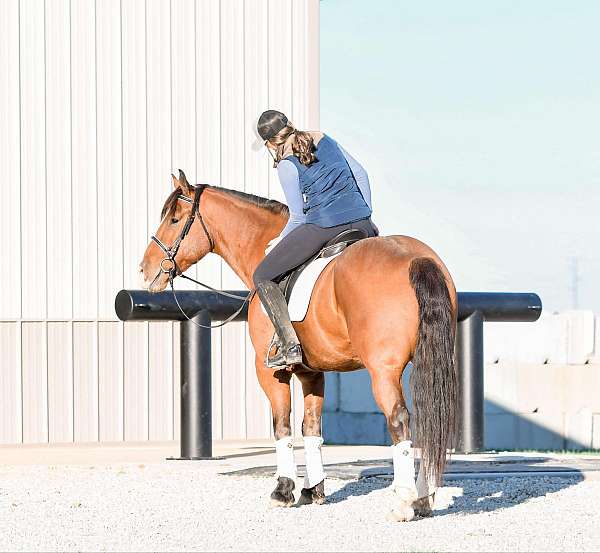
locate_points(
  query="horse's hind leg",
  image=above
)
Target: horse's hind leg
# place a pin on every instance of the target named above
(276, 385)
(313, 386)
(387, 390)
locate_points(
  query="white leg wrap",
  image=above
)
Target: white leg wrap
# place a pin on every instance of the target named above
(424, 488)
(313, 460)
(286, 466)
(404, 469)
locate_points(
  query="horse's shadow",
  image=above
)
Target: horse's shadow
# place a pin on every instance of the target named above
(478, 495)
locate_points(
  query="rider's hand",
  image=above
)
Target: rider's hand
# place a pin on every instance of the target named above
(272, 244)
(375, 228)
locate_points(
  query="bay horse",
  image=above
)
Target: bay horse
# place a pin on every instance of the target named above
(383, 302)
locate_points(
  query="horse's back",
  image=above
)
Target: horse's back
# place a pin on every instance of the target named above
(367, 291)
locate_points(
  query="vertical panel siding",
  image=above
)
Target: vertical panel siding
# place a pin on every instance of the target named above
(10, 383)
(109, 148)
(99, 102)
(33, 159)
(135, 194)
(110, 382)
(83, 158)
(10, 158)
(160, 381)
(35, 382)
(60, 382)
(58, 164)
(85, 381)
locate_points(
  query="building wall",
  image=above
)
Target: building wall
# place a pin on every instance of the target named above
(99, 102)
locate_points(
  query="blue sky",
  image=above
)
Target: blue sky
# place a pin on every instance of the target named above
(479, 124)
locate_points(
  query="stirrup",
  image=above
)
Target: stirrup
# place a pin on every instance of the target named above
(282, 358)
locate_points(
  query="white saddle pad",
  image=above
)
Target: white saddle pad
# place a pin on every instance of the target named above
(302, 290)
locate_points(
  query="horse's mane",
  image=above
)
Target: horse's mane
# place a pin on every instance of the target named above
(270, 205)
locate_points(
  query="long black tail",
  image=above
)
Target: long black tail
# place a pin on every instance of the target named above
(433, 379)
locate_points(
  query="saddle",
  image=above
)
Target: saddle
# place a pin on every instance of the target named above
(335, 246)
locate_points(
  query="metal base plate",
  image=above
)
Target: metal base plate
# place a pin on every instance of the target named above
(194, 458)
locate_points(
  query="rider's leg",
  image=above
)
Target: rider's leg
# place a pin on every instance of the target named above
(294, 249)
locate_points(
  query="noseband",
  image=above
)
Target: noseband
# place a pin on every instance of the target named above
(168, 264)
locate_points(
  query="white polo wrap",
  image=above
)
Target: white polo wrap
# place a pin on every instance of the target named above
(286, 465)
(403, 456)
(313, 461)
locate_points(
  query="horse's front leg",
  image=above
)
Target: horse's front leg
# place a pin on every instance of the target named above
(276, 385)
(313, 387)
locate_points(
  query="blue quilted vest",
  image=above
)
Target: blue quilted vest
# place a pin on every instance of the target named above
(329, 191)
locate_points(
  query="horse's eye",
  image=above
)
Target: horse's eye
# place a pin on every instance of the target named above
(174, 221)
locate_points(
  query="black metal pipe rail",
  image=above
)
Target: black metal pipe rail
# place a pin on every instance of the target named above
(203, 307)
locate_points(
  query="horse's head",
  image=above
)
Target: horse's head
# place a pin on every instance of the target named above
(180, 240)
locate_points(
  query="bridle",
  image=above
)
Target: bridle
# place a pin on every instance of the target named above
(170, 253)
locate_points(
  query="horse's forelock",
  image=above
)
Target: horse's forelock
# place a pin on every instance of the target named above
(170, 203)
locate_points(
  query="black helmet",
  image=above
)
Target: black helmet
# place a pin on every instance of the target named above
(270, 123)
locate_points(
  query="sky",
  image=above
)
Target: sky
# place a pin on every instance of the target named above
(479, 125)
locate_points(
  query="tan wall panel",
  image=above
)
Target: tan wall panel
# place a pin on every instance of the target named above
(10, 383)
(110, 381)
(136, 381)
(160, 381)
(60, 382)
(10, 159)
(35, 382)
(85, 381)
(233, 382)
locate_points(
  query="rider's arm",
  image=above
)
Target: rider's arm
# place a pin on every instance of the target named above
(360, 175)
(288, 176)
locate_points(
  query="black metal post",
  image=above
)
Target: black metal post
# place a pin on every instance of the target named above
(469, 346)
(196, 401)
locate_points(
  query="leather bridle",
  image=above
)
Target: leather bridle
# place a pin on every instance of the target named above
(170, 253)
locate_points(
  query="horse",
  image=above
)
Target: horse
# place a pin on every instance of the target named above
(384, 301)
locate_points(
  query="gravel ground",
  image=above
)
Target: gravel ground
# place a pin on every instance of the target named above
(186, 506)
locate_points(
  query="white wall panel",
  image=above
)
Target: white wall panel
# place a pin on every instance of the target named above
(135, 192)
(85, 381)
(99, 102)
(10, 157)
(110, 381)
(35, 382)
(83, 158)
(160, 381)
(58, 162)
(135, 410)
(60, 382)
(10, 383)
(33, 159)
(109, 151)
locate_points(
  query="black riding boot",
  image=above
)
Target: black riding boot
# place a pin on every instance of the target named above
(289, 351)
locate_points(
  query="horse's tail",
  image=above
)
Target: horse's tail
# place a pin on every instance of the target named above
(433, 379)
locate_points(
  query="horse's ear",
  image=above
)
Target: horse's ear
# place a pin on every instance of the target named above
(183, 183)
(175, 181)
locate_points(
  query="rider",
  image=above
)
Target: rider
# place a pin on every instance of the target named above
(327, 191)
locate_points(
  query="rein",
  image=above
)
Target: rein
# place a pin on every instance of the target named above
(173, 269)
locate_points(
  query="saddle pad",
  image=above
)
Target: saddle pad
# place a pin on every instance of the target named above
(302, 290)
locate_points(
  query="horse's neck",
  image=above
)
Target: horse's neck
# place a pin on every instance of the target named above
(240, 231)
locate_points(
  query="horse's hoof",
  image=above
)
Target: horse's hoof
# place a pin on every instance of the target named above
(423, 506)
(283, 495)
(402, 513)
(315, 495)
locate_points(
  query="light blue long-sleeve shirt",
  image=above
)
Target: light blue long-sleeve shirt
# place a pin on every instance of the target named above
(289, 179)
